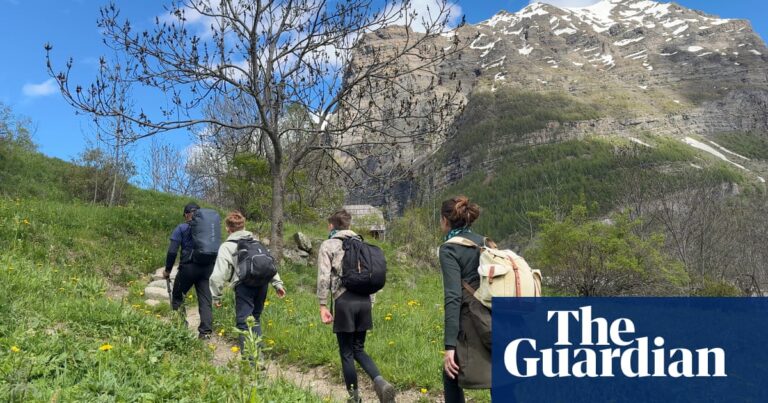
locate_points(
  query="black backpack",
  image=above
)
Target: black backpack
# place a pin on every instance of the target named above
(363, 268)
(255, 265)
(205, 228)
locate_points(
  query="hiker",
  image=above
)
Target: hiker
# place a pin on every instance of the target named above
(249, 296)
(459, 264)
(351, 317)
(191, 272)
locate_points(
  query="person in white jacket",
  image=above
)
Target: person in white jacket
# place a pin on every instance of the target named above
(248, 300)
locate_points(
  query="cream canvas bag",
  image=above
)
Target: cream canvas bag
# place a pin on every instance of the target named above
(502, 273)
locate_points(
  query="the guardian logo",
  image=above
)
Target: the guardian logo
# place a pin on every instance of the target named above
(607, 350)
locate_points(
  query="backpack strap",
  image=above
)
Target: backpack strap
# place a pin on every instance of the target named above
(460, 240)
(468, 288)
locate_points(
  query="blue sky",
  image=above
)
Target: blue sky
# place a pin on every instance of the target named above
(70, 26)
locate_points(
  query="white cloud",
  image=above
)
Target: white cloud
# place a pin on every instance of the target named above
(427, 11)
(43, 89)
(567, 3)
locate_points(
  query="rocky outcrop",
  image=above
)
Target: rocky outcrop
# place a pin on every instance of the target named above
(663, 69)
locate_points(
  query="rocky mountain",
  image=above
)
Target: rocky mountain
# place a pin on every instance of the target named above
(643, 67)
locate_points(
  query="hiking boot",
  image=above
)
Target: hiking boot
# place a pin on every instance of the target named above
(204, 336)
(384, 390)
(354, 397)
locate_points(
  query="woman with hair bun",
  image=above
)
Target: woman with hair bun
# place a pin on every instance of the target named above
(459, 264)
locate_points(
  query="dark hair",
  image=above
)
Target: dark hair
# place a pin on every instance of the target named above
(191, 208)
(235, 221)
(460, 212)
(340, 219)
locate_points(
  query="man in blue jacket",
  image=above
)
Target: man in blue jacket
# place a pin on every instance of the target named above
(190, 273)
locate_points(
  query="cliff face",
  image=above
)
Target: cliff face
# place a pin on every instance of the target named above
(647, 67)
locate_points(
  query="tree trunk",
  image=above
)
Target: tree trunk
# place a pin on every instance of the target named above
(115, 170)
(276, 228)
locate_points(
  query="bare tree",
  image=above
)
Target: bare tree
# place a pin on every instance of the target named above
(262, 56)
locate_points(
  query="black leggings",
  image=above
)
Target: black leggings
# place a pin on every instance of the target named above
(453, 393)
(351, 349)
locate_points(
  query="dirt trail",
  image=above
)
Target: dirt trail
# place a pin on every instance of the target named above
(318, 380)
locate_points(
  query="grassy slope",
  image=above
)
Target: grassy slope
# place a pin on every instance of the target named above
(57, 259)
(601, 170)
(557, 175)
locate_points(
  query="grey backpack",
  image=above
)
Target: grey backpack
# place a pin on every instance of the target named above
(206, 235)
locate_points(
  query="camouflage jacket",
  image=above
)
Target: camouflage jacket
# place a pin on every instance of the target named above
(329, 267)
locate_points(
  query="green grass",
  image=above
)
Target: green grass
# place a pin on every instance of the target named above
(56, 264)
(56, 319)
(750, 145)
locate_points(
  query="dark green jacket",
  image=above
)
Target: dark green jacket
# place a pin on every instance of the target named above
(457, 263)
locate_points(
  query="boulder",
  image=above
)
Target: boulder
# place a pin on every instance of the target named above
(156, 293)
(303, 242)
(159, 284)
(293, 256)
(158, 275)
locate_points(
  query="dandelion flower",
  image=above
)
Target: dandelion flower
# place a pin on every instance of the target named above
(105, 347)
(15, 349)
(423, 390)
(235, 349)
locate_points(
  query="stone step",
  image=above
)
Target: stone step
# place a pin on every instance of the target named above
(158, 274)
(159, 284)
(156, 293)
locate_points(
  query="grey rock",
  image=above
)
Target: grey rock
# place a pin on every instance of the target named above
(303, 242)
(156, 293)
(294, 257)
(159, 284)
(158, 274)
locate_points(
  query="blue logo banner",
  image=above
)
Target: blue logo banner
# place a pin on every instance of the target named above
(630, 350)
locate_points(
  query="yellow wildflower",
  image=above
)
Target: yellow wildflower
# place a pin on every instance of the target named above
(311, 325)
(423, 390)
(26, 222)
(105, 347)
(235, 349)
(266, 303)
(270, 342)
(391, 343)
(15, 349)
